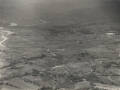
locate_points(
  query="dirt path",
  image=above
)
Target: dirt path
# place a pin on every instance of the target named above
(4, 38)
(111, 79)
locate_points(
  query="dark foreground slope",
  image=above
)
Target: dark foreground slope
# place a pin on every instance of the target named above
(62, 44)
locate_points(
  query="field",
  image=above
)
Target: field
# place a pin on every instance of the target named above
(60, 45)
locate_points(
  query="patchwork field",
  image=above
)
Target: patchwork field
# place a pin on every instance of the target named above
(60, 45)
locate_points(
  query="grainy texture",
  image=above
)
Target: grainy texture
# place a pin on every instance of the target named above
(59, 45)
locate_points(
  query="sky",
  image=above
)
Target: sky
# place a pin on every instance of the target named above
(35, 8)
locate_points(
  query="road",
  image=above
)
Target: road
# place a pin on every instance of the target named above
(111, 79)
(4, 37)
